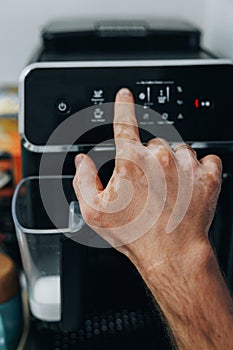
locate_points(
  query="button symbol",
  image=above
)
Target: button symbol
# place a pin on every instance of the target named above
(168, 93)
(205, 103)
(98, 93)
(142, 96)
(202, 103)
(179, 89)
(63, 107)
(165, 116)
(180, 116)
(148, 94)
(98, 113)
(180, 102)
(162, 98)
(146, 116)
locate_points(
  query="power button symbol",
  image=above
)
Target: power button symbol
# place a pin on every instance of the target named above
(63, 106)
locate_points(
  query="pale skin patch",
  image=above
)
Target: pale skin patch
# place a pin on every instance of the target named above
(122, 171)
(120, 152)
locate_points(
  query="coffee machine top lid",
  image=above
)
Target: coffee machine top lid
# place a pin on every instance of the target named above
(162, 33)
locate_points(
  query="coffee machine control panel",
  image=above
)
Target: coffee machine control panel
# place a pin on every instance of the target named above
(194, 98)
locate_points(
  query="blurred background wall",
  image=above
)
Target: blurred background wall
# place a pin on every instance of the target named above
(21, 22)
(218, 27)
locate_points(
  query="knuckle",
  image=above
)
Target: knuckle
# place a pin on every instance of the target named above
(126, 132)
(157, 141)
(165, 158)
(162, 141)
(152, 142)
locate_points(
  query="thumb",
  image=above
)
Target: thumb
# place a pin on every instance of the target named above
(86, 183)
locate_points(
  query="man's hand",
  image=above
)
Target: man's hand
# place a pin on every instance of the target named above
(157, 209)
(150, 188)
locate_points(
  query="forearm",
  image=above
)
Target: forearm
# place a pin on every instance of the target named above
(194, 299)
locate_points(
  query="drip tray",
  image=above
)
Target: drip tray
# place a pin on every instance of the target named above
(113, 330)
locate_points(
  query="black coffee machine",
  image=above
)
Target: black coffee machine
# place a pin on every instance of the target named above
(82, 64)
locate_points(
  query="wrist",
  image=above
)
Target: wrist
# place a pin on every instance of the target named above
(177, 264)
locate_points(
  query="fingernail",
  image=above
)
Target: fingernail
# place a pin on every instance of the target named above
(125, 92)
(78, 159)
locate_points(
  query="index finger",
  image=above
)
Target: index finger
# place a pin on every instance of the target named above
(125, 124)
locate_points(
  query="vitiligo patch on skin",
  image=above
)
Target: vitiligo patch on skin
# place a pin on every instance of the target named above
(121, 171)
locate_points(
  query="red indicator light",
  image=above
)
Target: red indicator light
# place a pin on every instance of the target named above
(197, 103)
